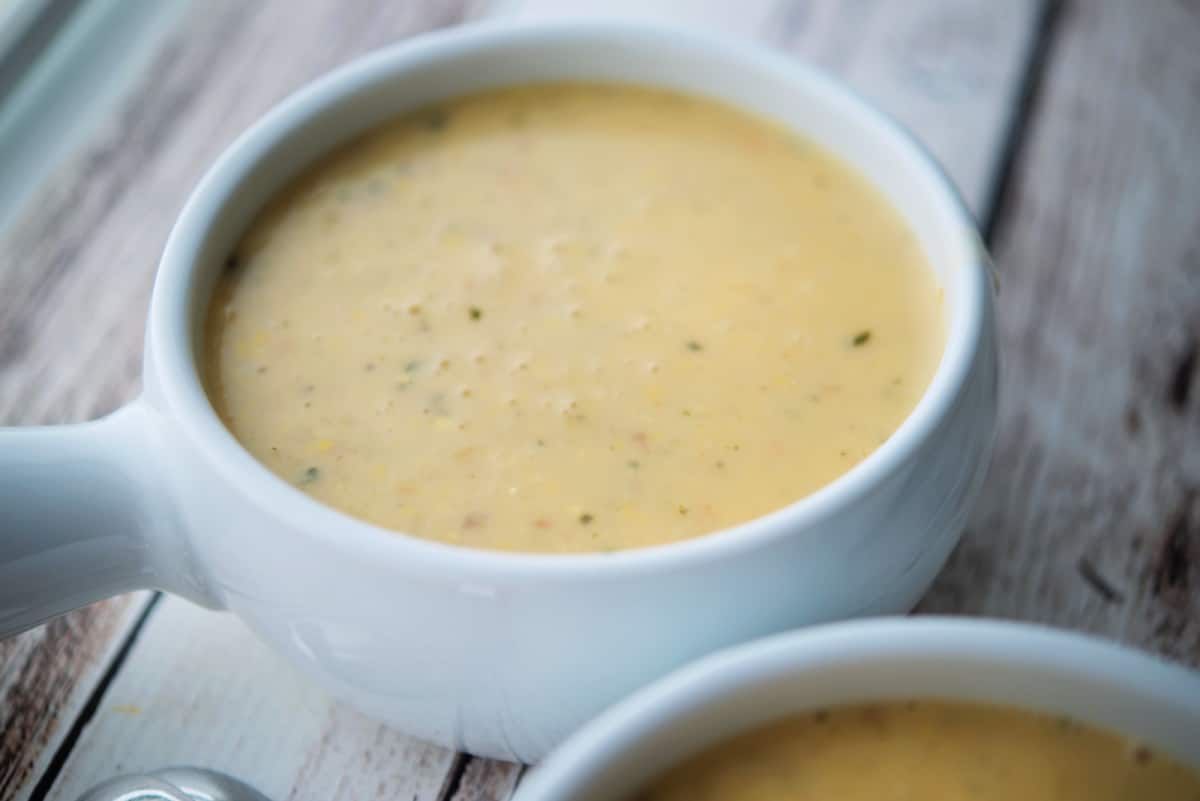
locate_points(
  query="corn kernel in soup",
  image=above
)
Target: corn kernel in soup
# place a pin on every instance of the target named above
(926, 751)
(572, 317)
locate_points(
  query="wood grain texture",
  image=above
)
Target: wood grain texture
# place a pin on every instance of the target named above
(81, 263)
(46, 678)
(950, 70)
(481, 779)
(1091, 517)
(203, 690)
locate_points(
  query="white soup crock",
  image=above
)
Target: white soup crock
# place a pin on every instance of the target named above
(497, 654)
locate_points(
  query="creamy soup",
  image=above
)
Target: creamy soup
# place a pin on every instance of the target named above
(572, 317)
(927, 751)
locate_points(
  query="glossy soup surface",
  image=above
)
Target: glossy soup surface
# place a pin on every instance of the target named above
(927, 751)
(570, 318)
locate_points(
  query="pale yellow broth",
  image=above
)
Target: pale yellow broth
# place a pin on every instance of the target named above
(572, 317)
(927, 751)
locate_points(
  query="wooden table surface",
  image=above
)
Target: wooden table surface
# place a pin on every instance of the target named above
(1072, 128)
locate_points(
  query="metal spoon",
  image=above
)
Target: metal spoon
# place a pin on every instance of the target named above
(174, 784)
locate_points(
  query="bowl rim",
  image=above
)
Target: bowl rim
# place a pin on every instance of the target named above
(932, 640)
(170, 343)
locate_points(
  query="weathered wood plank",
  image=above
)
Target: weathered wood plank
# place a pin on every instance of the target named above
(1091, 518)
(951, 70)
(66, 70)
(203, 690)
(380, 763)
(485, 780)
(46, 678)
(81, 264)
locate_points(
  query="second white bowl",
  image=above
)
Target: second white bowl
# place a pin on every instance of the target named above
(742, 688)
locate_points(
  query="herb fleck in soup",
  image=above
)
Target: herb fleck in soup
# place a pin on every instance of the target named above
(572, 317)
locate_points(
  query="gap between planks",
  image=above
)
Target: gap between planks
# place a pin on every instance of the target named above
(218, 697)
(1091, 515)
(88, 711)
(47, 676)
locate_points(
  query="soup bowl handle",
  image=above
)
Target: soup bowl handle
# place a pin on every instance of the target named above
(84, 515)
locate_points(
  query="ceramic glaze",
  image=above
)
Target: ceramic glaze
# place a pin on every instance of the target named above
(937, 709)
(495, 653)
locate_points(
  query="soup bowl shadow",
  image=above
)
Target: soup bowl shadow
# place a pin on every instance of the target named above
(497, 654)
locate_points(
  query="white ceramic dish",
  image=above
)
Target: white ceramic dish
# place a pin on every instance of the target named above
(497, 654)
(984, 661)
